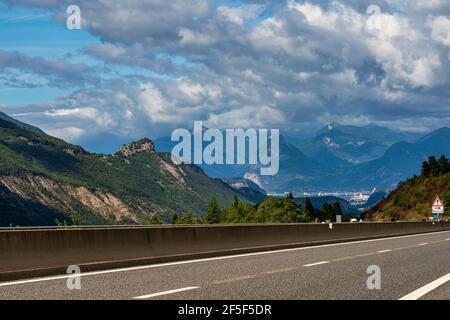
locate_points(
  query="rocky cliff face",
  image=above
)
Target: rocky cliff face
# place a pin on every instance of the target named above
(66, 198)
(129, 150)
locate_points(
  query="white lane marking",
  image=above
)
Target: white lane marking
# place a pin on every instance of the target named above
(405, 248)
(384, 251)
(278, 271)
(316, 264)
(234, 279)
(423, 244)
(415, 295)
(365, 254)
(94, 273)
(157, 294)
(343, 259)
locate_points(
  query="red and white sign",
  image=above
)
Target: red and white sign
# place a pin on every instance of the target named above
(438, 206)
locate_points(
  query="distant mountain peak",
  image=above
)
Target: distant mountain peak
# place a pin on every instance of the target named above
(328, 128)
(141, 146)
(333, 125)
(442, 133)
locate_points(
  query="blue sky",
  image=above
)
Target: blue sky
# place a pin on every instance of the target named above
(145, 67)
(36, 34)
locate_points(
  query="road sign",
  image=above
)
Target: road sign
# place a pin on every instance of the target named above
(438, 206)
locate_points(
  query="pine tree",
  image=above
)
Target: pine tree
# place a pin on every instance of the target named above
(290, 197)
(155, 220)
(214, 213)
(434, 166)
(447, 202)
(292, 210)
(425, 168)
(444, 165)
(236, 202)
(337, 209)
(309, 208)
(326, 213)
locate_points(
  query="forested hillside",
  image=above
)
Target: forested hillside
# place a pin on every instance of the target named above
(44, 180)
(412, 200)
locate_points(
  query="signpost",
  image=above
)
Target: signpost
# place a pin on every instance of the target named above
(437, 208)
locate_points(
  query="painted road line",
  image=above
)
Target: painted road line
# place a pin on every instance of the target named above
(422, 244)
(406, 248)
(343, 259)
(365, 255)
(234, 279)
(278, 271)
(164, 293)
(151, 266)
(316, 264)
(384, 251)
(426, 289)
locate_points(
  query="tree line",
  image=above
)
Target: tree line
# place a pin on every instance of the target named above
(434, 167)
(271, 210)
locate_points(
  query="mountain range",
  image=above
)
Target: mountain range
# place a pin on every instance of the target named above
(327, 171)
(340, 158)
(352, 143)
(44, 180)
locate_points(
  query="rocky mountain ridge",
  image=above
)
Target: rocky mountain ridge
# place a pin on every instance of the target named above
(44, 180)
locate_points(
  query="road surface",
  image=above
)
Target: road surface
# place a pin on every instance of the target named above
(412, 267)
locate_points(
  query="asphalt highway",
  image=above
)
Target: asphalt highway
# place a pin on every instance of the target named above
(410, 268)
